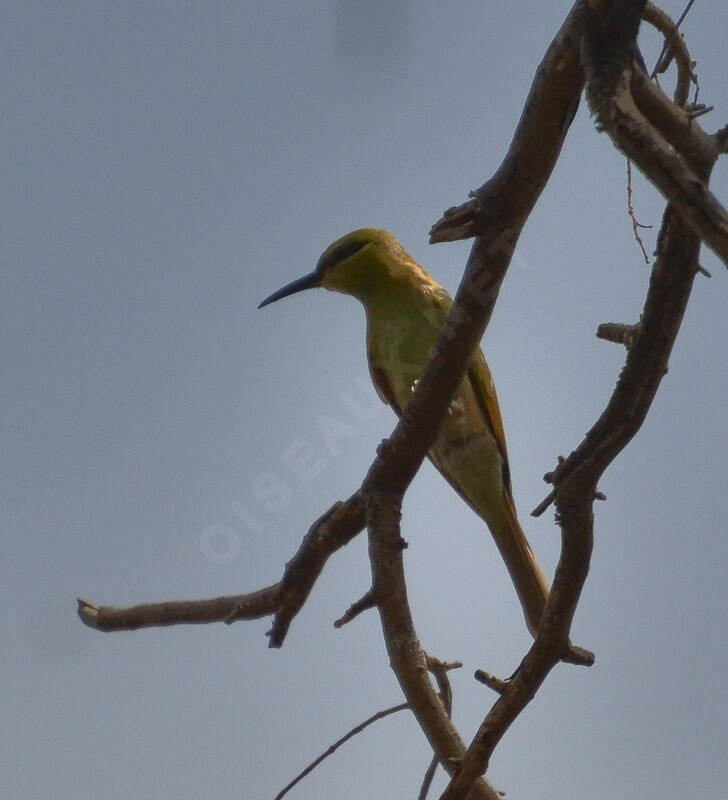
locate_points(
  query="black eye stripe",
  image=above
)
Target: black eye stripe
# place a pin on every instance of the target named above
(347, 250)
(341, 253)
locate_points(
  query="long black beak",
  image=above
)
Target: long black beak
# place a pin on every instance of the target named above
(309, 281)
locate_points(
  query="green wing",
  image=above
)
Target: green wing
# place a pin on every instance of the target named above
(482, 383)
(484, 388)
(384, 388)
(432, 315)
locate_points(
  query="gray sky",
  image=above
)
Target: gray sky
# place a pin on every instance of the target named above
(165, 167)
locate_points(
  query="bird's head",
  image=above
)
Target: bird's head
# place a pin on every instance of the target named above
(356, 264)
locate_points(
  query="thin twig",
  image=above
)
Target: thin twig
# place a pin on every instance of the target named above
(362, 604)
(628, 106)
(676, 49)
(669, 40)
(630, 207)
(428, 778)
(439, 669)
(335, 746)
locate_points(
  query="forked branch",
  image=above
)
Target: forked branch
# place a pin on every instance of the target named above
(336, 528)
(596, 44)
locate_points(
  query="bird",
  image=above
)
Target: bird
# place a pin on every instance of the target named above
(405, 312)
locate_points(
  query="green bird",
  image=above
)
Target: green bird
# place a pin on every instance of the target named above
(405, 313)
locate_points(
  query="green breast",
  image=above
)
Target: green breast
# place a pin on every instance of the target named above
(402, 332)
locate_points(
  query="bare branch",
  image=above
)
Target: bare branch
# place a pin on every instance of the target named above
(614, 89)
(618, 113)
(677, 156)
(364, 603)
(672, 122)
(503, 205)
(427, 778)
(335, 746)
(576, 478)
(647, 358)
(336, 528)
(721, 138)
(406, 656)
(547, 114)
(633, 217)
(498, 685)
(439, 669)
(618, 333)
(182, 612)
(674, 47)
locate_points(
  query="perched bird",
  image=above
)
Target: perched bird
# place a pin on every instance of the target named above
(405, 312)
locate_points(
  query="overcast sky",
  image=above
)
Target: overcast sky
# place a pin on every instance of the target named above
(167, 165)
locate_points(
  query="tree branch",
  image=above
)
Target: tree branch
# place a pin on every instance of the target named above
(336, 528)
(577, 476)
(337, 744)
(673, 49)
(669, 147)
(626, 105)
(547, 114)
(178, 612)
(502, 207)
(407, 659)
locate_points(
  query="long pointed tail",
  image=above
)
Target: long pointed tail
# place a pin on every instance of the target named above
(527, 576)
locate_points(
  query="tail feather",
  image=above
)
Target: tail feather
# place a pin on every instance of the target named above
(475, 470)
(531, 584)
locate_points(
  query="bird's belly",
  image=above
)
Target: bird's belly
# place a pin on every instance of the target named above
(465, 450)
(472, 464)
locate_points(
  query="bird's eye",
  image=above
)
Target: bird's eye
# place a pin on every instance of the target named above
(332, 258)
(345, 251)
